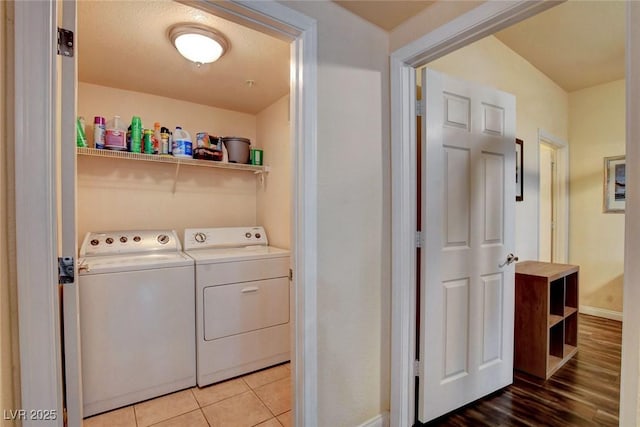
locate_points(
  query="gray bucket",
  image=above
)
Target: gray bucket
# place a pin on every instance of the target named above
(237, 148)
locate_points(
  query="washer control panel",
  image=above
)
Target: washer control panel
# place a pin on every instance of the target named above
(224, 237)
(128, 242)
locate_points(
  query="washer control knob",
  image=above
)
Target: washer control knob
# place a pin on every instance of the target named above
(95, 242)
(258, 235)
(200, 237)
(163, 239)
(136, 238)
(109, 240)
(123, 239)
(247, 235)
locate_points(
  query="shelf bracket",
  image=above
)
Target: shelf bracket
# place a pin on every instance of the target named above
(175, 178)
(261, 174)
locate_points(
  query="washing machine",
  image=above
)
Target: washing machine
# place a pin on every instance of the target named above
(243, 296)
(137, 318)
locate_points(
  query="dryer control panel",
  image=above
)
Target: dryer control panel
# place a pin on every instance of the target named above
(129, 242)
(224, 237)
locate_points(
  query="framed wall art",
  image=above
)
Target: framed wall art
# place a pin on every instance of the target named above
(615, 182)
(519, 170)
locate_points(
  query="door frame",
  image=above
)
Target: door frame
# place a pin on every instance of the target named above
(561, 243)
(36, 163)
(484, 20)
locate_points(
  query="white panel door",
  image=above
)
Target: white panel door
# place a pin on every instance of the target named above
(468, 213)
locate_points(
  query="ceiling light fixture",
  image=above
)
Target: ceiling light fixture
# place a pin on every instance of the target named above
(198, 43)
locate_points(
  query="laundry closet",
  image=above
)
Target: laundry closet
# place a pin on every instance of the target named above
(127, 66)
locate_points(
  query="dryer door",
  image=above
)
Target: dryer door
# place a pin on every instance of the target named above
(243, 307)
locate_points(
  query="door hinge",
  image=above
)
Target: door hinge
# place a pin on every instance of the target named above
(66, 270)
(417, 368)
(419, 240)
(419, 111)
(291, 274)
(65, 42)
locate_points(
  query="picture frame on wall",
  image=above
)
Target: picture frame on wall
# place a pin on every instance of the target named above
(614, 184)
(519, 170)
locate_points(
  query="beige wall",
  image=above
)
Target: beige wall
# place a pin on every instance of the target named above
(121, 194)
(274, 195)
(354, 209)
(540, 103)
(94, 100)
(597, 118)
(9, 356)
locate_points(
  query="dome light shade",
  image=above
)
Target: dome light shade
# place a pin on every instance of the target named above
(198, 43)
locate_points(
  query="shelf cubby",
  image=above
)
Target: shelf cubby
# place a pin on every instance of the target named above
(546, 316)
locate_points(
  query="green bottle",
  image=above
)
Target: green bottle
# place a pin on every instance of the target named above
(136, 134)
(81, 137)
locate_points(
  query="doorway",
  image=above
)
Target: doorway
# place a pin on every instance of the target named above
(553, 229)
(548, 204)
(37, 212)
(418, 53)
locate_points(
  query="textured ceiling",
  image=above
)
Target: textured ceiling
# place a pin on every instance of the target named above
(386, 14)
(124, 44)
(577, 44)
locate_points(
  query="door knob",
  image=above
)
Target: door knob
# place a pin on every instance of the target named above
(511, 258)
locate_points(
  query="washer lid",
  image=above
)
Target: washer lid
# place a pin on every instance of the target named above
(216, 255)
(121, 263)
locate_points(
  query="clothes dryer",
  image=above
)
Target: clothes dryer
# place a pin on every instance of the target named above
(243, 308)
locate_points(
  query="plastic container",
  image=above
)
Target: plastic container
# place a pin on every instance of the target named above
(115, 136)
(148, 141)
(156, 138)
(99, 128)
(136, 135)
(164, 141)
(182, 145)
(238, 149)
(81, 137)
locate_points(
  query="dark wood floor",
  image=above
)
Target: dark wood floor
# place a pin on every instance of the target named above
(584, 392)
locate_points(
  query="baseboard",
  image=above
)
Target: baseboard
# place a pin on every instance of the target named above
(381, 420)
(601, 312)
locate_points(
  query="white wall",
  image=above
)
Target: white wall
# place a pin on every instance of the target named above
(122, 194)
(540, 103)
(274, 195)
(353, 216)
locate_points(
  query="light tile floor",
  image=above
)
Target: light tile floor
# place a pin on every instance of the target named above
(261, 399)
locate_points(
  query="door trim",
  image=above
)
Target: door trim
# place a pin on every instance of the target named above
(480, 22)
(561, 245)
(630, 313)
(36, 196)
(36, 208)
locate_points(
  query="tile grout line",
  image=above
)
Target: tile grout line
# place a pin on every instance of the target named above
(174, 417)
(264, 404)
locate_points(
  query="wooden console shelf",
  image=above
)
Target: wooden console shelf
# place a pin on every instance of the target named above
(546, 316)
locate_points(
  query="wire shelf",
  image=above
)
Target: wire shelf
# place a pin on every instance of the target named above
(126, 155)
